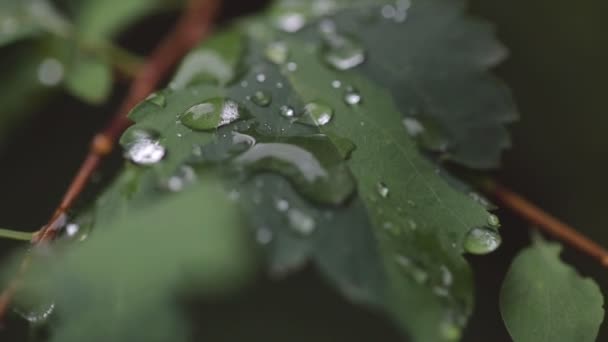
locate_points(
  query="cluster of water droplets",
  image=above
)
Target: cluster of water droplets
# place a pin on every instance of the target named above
(396, 11)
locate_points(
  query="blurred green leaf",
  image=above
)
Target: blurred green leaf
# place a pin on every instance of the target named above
(543, 299)
(23, 18)
(89, 79)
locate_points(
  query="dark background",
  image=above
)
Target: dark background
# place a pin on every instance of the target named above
(557, 70)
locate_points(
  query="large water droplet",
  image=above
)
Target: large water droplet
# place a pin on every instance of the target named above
(261, 98)
(50, 72)
(342, 53)
(482, 241)
(211, 114)
(157, 99)
(277, 52)
(142, 147)
(382, 189)
(316, 114)
(301, 222)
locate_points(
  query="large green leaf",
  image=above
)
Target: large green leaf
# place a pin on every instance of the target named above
(543, 299)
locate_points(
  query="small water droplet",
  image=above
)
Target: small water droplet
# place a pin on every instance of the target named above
(277, 52)
(482, 241)
(261, 98)
(446, 276)
(279, 85)
(264, 236)
(71, 229)
(493, 221)
(244, 84)
(184, 176)
(292, 66)
(50, 72)
(301, 222)
(234, 195)
(287, 112)
(413, 269)
(342, 53)
(413, 127)
(413, 225)
(352, 97)
(382, 189)
(211, 114)
(143, 148)
(327, 26)
(37, 314)
(411, 203)
(336, 84)
(157, 99)
(316, 114)
(281, 205)
(290, 21)
(261, 78)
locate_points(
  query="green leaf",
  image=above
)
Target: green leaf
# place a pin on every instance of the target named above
(543, 299)
(24, 18)
(89, 79)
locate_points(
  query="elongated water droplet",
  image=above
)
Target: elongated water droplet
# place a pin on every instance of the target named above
(352, 97)
(316, 114)
(277, 52)
(262, 98)
(142, 147)
(301, 222)
(287, 112)
(382, 189)
(482, 241)
(211, 114)
(493, 221)
(342, 53)
(157, 99)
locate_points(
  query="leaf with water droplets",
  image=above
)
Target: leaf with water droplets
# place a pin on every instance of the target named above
(545, 300)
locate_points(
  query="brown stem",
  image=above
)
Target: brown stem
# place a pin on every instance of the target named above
(194, 25)
(547, 223)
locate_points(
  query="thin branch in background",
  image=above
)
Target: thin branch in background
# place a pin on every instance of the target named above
(194, 25)
(546, 222)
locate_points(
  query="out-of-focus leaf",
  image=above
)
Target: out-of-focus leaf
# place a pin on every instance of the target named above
(24, 18)
(89, 79)
(543, 299)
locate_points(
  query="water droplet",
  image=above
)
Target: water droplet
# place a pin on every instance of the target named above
(262, 98)
(292, 66)
(316, 114)
(352, 97)
(240, 139)
(50, 72)
(211, 114)
(36, 314)
(244, 84)
(290, 21)
(158, 99)
(184, 176)
(336, 84)
(446, 276)
(142, 147)
(413, 269)
(287, 112)
(261, 78)
(327, 26)
(413, 127)
(301, 222)
(382, 189)
(71, 229)
(413, 225)
(264, 236)
(281, 205)
(482, 241)
(493, 221)
(279, 85)
(277, 52)
(342, 53)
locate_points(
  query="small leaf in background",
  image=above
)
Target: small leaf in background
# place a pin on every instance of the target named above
(89, 79)
(544, 300)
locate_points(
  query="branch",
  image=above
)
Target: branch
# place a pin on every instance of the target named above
(546, 222)
(15, 235)
(194, 25)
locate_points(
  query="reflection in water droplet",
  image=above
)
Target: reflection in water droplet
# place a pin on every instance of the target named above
(382, 189)
(287, 112)
(264, 236)
(493, 221)
(352, 97)
(158, 99)
(143, 148)
(211, 114)
(38, 314)
(277, 52)
(50, 72)
(301, 222)
(342, 53)
(290, 21)
(262, 98)
(482, 241)
(316, 114)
